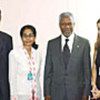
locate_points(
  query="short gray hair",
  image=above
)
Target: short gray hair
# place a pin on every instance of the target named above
(66, 14)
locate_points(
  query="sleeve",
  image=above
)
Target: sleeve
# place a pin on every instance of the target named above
(87, 70)
(9, 47)
(48, 72)
(10, 44)
(13, 76)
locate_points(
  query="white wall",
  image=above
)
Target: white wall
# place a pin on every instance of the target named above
(43, 14)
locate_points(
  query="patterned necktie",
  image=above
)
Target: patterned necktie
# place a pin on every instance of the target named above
(66, 54)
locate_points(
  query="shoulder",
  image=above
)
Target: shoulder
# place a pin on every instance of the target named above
(15, 52)
(36, 51)
(12, 54)
(4, 35)
(82, 40)
(55, 40)
(6, 38)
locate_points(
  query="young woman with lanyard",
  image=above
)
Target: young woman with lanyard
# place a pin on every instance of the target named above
(24, 67)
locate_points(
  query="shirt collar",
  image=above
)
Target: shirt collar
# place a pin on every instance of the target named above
(70, 42)
(71, 37)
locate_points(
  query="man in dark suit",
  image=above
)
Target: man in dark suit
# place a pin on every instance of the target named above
(67, 73)
(5, 47)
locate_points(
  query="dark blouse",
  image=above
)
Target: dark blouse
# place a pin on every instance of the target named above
(98, 67)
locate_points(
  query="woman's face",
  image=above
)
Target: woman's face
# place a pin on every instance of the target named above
(28, 37)
(98, 26)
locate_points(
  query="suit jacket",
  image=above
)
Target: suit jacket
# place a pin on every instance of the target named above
(5, 47)
(77, 77)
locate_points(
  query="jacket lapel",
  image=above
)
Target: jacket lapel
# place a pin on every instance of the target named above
(59, 50)
(75, 47)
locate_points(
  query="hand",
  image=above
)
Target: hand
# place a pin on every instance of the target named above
(47, 97)
(96, 94)
(85, 98)
(94, 88)
(94, 91)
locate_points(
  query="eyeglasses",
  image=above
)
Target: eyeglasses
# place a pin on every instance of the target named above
(26, 36)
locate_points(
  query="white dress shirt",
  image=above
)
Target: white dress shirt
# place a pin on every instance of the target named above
(70, 42)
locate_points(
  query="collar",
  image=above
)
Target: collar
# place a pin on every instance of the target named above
(71, 37)
(70, 42)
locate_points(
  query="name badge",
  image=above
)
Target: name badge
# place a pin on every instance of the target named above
(30, 76)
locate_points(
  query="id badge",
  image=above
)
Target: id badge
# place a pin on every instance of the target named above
(30, 76)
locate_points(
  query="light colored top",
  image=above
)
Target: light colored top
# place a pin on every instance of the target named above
(19, 69)
(70, 42)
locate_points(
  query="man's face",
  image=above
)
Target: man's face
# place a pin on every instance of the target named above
(66, 26)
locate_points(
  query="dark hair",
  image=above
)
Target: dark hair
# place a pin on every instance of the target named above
(32, 28)
(98, 21)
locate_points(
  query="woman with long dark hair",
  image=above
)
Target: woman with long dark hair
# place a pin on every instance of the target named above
(24, 67)
(96, 67)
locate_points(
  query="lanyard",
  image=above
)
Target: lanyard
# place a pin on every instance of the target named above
(31, 69)
(30, 60)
